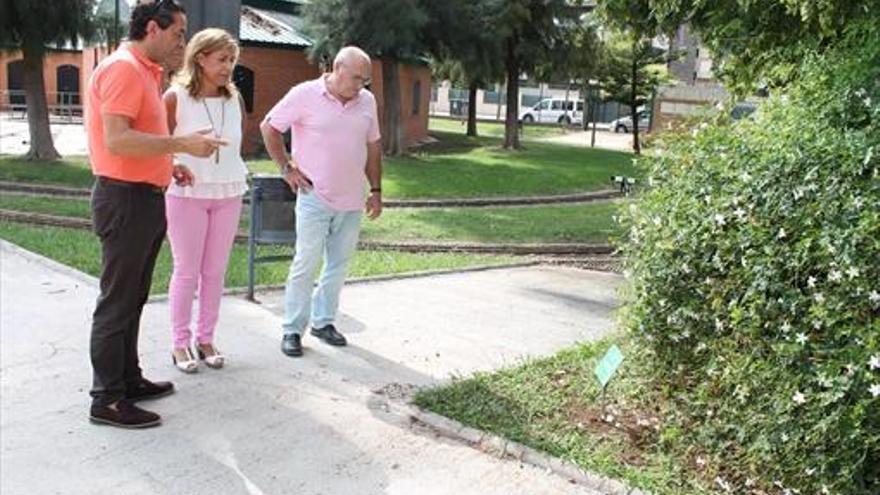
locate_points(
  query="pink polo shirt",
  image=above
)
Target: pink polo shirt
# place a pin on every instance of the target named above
(329, 140)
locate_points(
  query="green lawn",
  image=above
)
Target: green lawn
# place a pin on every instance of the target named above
(494, 129)
(62, 207)
(555, 405)
(462, 167)
(588, 222)
(71, 172)
(454, 167)
(81, 250)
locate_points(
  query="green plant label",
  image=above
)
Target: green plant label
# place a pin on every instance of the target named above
(608, 365)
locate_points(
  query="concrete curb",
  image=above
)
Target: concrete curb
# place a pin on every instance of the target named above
(501, 447)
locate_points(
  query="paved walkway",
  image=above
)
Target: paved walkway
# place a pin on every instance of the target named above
(604, 139)
(69, 137)
(268, 424)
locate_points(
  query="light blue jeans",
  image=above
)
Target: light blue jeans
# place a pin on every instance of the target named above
(321, 232)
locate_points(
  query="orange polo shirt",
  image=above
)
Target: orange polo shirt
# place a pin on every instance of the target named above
(129, 84)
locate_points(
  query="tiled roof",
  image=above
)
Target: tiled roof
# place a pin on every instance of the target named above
(264, 26)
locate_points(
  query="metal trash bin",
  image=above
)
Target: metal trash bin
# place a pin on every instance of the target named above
(272, 220)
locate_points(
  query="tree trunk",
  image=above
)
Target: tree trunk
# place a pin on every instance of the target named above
(633, 105)
(41, 146)
(511, 127)
(585, 93)
(393, 130)
(472, 110)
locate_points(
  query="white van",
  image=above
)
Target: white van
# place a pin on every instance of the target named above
(554, 111)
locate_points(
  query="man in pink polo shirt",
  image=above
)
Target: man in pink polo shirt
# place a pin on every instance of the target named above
(335, 152)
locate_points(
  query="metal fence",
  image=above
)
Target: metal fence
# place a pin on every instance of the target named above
(65, 105)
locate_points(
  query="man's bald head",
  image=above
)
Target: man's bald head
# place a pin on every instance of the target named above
(351, 56)
(352, 71)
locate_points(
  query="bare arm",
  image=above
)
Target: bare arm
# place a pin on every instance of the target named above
(244, 116)
(121, 139)
(374, 177)
(275, 147)
(374, 164)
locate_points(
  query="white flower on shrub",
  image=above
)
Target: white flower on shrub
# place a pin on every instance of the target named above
(811, 281)
(746, 177)
(850, 369)
(825, 490)
(740, 213)
(786, 327)
(799, 398)
(657, 221)
(857, 202)
(852, 272)
(784, 439)
(875, 390)
(724, 485)
(719, 325)
(819, 297)
(874, 296)
(801, 338)
(781, 234)
(835, 276)
(816, 323)
(874, 362)
(798, 193)
(810, 471)
(720, 220)
(685, 268)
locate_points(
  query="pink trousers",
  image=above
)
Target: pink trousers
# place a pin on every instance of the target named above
(201, 232)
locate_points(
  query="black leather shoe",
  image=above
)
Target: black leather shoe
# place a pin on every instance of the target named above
(126, 415)
(146, 390)
(292, 345)
(329, 335)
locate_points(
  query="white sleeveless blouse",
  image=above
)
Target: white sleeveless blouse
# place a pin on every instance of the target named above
(214, 178)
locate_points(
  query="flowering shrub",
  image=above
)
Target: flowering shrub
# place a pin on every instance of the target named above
(754, 269)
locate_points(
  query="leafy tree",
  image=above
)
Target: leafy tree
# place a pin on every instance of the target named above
(465, 48)
(632, 70)
(388, 29)
(110, 24)
(765, 41)
(32, 26)
(530, 30)
(578, 60)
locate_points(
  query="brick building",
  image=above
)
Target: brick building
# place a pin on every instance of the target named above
(273, 59)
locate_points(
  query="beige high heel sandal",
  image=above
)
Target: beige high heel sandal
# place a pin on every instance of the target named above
(188, 366)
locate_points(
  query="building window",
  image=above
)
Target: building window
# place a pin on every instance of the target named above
(244, 81)
(494, 97)
(434, 93)
(417, 97)
(15, 82)
(67, 82)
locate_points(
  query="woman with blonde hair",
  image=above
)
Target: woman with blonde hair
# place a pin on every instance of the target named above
(203, 214)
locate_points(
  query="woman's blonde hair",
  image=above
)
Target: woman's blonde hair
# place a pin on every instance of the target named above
(205, 42)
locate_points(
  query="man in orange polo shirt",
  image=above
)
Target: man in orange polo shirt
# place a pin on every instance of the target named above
(130, 152)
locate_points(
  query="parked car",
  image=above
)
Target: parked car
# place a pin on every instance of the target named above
(554, 111)
(624, 124)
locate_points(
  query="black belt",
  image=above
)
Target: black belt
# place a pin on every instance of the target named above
(143, 186)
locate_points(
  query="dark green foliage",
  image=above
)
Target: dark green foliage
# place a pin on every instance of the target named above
(754, 263)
